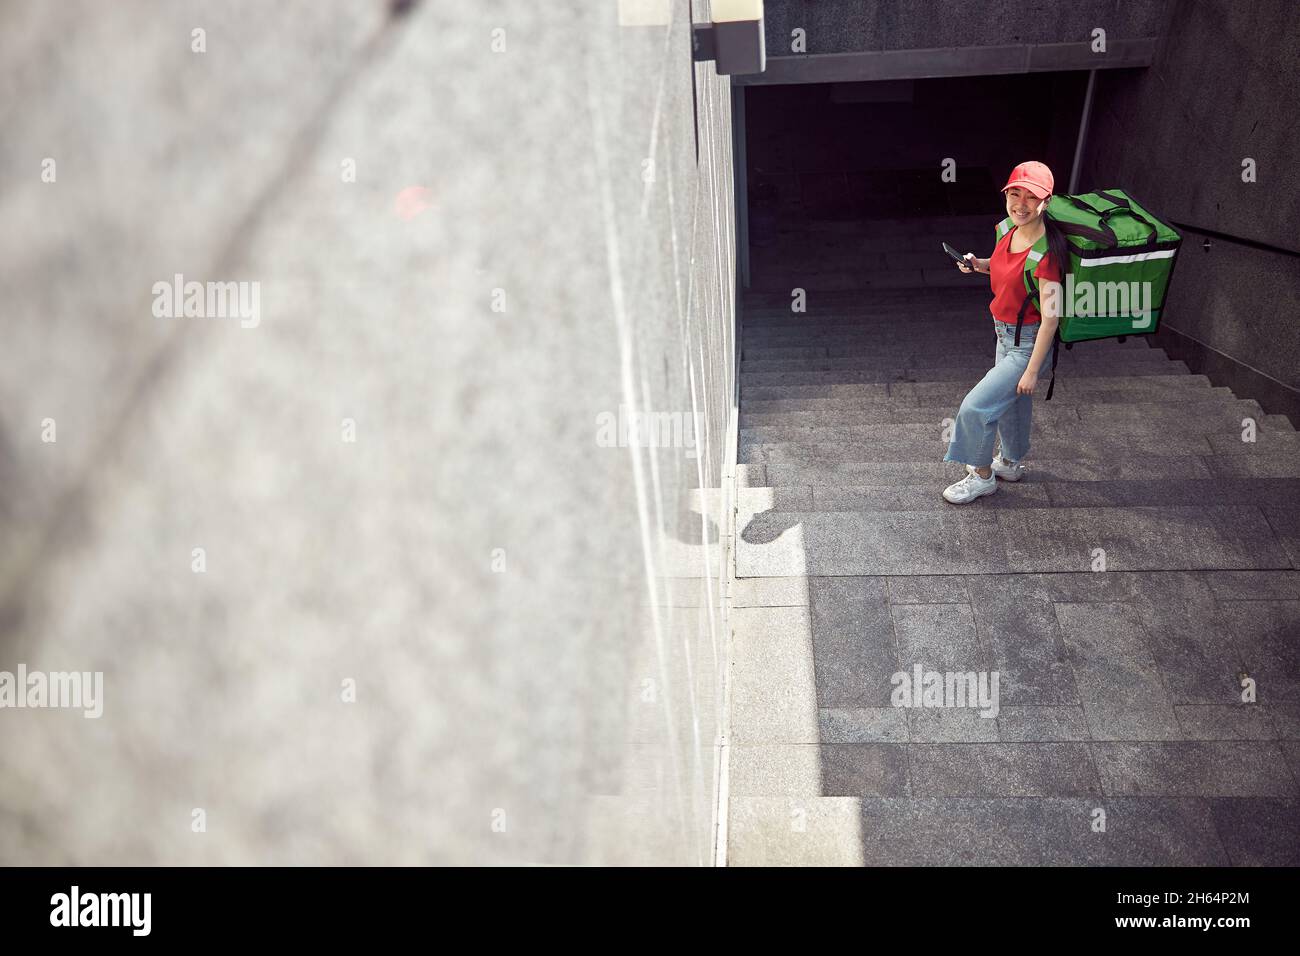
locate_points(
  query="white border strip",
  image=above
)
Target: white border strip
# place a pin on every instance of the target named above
(1135, 257)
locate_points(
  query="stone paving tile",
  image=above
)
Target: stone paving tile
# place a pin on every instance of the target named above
(921, 498)
(1108, 722)
(1042, 724)
(1184, 415)
(775, 770)
(1111, 587)
(1285, 523)
(863, 473)
(1112, 665)
(773, 691)
(1258, 831)
(1255, 585)
(1278, 465)
(1194, 768)
(1025, 646)
(938, 637)
(1163, 491)
(1291, 751)
(854, 652)
(812, 412)
(864, 770)
(1189, 640)
(771, 544)
(931, 448)
(855, 543)
(1123, 468)
(1268, 635)
(1002, 770)
(951, 832)
(794, 831)
(1138, 832)
(1225, 722)
(954, 725)
(754, 501)
(770, 592)
(1140, 538)
(928, 589)
(1286, 720)
(862, 725)
(1266, 443)
(1145, 388)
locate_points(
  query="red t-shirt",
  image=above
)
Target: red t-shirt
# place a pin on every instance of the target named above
(1006, 274)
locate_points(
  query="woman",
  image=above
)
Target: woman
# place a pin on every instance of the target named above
(1000, 405)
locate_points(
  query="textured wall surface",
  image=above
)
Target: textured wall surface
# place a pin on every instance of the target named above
(848, 26)
(403, 474)
(1222, 90)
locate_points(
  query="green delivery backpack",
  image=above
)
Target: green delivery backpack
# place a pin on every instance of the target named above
(1121, 258)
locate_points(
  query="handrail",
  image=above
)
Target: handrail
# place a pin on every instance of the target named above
(1252, 243)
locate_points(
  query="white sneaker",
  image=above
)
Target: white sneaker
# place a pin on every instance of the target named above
(969, 488)
(1006, 470)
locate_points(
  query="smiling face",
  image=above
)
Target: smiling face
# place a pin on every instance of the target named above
(1024, 207)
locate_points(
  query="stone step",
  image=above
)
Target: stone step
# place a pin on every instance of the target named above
(903, 317)
(878, 473)
(948, 396)
(1188, 416)
(1140, 387)
(860, 831)
(971, 342)
(898, 324)
(854, 280)
(934, 471)
(925, 336)
(1155, 388)
(901, 323)
(957, 350)
(971, 540)
(1138, 363)
(1277, 456)
(916, 254)
(876, 413)
(965, 372)
(970, 237)
(1240, 460)
(968, 341)
(929, 449)
(784, 265)
(1140, 433)
(762, 306)
(896, 227)
(1030, 492)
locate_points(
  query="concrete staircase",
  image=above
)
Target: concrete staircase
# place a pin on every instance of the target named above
(1120, 689)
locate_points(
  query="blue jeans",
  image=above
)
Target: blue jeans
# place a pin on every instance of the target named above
(992, 408)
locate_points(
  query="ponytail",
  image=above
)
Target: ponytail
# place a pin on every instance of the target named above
(1057, 245)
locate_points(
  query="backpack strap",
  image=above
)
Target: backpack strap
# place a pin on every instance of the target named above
(1056, 346)
(1036, 253)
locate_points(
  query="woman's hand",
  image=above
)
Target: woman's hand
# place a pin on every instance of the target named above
(969, 265)
(1027, 382)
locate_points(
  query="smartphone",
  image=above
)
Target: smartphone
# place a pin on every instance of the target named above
(958, 256)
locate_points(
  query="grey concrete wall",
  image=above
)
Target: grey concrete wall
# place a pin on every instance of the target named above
(532, 618)
(849, 26)
(1224, 88)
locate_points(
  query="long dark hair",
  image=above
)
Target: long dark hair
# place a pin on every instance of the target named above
(1057, 245)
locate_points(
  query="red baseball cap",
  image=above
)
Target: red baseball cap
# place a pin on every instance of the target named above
(1034, 176)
